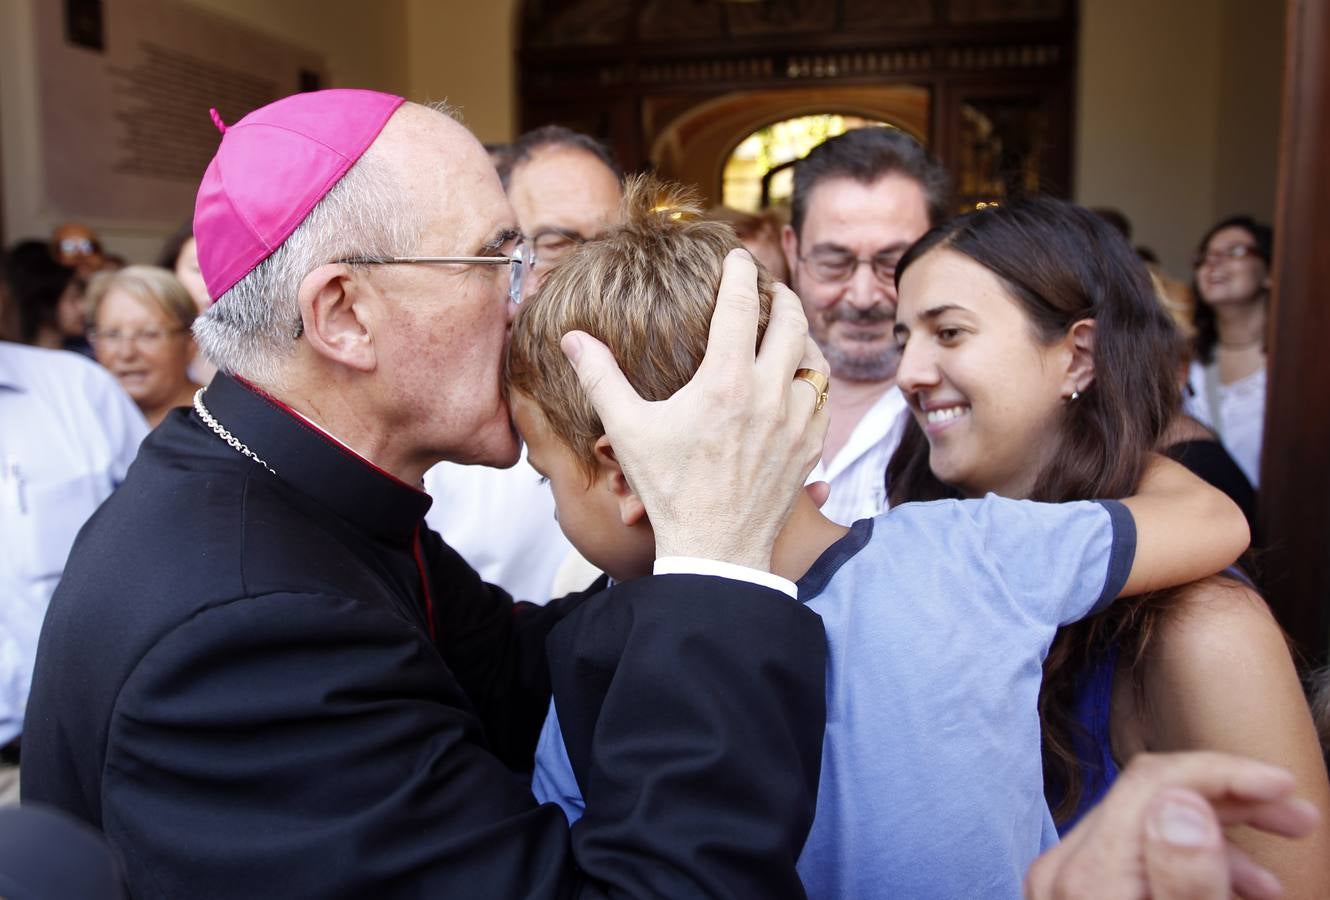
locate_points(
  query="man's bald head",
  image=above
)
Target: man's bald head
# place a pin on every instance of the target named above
(376, 209)
(565, 189)
(395, 353)
(545, 137)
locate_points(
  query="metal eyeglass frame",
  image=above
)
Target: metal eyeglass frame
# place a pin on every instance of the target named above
(576, 238)
(871, 261)
(522, 258)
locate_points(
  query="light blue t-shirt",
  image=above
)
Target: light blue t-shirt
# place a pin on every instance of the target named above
(938, 617)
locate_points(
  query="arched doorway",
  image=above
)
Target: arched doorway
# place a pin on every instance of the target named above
(759, 171)
(694, 141)
(988, 86)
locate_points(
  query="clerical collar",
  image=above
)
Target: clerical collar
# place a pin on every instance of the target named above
(313, 461)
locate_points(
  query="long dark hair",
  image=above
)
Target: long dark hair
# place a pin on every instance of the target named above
(170, 251)
(36, 281)
(1207, 327)
(1060, 264)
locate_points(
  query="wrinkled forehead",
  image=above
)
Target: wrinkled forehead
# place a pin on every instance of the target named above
(565, 187)
(73, 231)
(1230, 236)
(448, 176)
(121, 304)
(891, 211)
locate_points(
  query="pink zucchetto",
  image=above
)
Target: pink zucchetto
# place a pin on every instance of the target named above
(272, 167)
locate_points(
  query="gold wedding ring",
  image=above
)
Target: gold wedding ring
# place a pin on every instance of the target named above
(819, 382)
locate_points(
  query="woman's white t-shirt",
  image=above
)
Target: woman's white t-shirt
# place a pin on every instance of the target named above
(1236, 411)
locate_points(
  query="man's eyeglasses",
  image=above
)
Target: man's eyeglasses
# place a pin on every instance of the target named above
(77, 246)
(835, 266)
(147, 337)
(519, 262)
(550, 245)
(1215, 257)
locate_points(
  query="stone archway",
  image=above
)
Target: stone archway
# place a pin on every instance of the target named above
(692, 144)
(988, 84)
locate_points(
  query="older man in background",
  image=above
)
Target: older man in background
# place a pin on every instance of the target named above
(263, 676)
(565, 188)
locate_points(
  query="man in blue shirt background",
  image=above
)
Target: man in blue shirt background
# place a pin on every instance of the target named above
(69, 436)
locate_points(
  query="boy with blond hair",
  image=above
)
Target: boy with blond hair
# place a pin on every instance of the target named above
(931, 781)
(665, 258)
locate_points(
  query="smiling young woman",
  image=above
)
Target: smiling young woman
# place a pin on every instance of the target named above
(1038, 364)
(1227, 378)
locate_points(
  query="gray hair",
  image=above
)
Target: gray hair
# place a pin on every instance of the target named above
(521, 150)
(251, 330)
(866, 155)
(146, 284)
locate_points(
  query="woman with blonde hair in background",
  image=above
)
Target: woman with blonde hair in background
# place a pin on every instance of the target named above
(141, 318)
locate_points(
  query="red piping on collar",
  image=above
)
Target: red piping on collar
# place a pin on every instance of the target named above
(329, 439)
(424, 582)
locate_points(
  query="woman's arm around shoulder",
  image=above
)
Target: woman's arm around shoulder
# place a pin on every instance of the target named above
(1185, 529)
(1218, 675)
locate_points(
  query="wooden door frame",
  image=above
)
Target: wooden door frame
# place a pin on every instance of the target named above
(1295, 467)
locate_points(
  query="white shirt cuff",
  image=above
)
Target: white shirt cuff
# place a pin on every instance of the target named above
(691, 565)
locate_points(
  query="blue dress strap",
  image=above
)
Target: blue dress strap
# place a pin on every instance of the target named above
(1091, 736)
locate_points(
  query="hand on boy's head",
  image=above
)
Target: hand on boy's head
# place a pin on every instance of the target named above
(719, 464)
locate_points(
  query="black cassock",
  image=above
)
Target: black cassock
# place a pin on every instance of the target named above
(286, 685)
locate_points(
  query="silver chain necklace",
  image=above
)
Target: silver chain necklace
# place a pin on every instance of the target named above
(225, 435)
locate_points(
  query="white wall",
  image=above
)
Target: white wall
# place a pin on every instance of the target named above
(20, 150)
(465, 53)
(1178, 114)
(1250, 91)
(362, 43)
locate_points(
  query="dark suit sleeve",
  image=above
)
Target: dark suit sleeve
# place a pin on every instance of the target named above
(310, 745)
(496, 650)
(693, 711)
(302, 745)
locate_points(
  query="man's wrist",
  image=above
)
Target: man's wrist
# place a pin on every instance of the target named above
(692, 565)
(745, 551)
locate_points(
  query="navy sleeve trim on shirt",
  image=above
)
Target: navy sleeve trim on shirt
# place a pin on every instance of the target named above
(820, 572)
(1237, 573)
(1121, 555)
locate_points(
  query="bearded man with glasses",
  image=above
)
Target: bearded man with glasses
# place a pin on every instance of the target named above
(860, 200)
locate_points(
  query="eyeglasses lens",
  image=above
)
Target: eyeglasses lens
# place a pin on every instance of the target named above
(1215, 257)
(835, 268)
(517, 271)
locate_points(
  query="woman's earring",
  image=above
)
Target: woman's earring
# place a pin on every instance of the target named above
(1074, 395)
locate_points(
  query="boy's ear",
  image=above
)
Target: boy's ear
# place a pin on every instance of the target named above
(1080, 368)
(610, 474)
